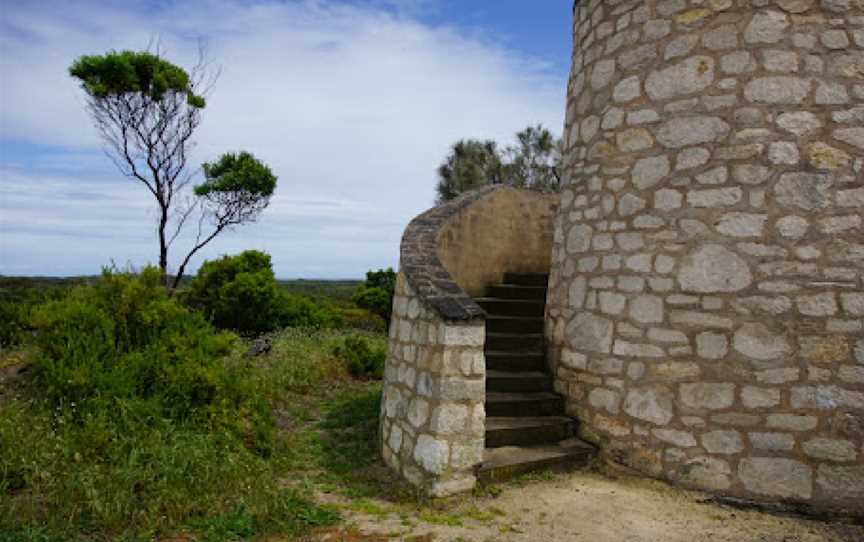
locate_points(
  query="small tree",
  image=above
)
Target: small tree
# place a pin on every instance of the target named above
(533, 163)
(376, 294)
(470, 165)
(146, 109)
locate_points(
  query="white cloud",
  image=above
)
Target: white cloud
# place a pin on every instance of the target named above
(352, 106)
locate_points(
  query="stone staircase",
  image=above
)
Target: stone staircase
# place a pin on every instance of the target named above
(526, 427)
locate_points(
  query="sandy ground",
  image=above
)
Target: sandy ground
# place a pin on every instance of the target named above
(589, 507)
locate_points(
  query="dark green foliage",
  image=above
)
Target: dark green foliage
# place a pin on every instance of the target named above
(535, 163)
(124, 72)
(470, 165)
(237, 173)
(239, 292)
(376, 294)
(13, 322)
(236, 292)
(362, 359)
(123, 339)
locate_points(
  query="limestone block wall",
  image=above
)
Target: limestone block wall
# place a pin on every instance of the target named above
(706, 305)
(432, 417)
(432, 422)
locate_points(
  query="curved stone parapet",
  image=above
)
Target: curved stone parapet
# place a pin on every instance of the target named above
(706, 303)
(432, 425)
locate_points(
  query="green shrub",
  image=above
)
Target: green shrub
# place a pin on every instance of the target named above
(376, 294)
(141, 413)
(12, 324)
(123, 338)
(362, 359)
(240, 293)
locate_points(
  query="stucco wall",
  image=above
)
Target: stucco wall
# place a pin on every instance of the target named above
(706, 306)
(508, 230)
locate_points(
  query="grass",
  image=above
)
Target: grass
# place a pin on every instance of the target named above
(163, 478)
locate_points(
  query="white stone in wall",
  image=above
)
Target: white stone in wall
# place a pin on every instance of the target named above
(711, 345)
(808, 191)
(842, 482)
(791, 422)
(653, 405)
(776, 477)
(778, 90)
(602, 398)
(775, 442)
(742, 224)
(647, 309)
(766, 27)
(713, 268)
(590, 333)
(796, 6)
(418, 412)
(647, 172)
(691, 75)
(737, 63)
(684, 131)
(799, 122)
(784, 153)
(628, 89)
(682, 439)
(830, 449)
(753, 397)
(432, 454)
(756, 341)
(817, 305)
(579, 239)
(708, 395)
(852, 136)
(668, 199)
(722, 442)
(463, 335)
(706, 472)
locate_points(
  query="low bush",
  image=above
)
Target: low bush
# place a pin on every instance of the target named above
(240, 293)
(363, 359)
(376, 293)
(13, 319)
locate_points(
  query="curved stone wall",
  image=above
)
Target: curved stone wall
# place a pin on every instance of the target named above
(432, 422)
(706, 307)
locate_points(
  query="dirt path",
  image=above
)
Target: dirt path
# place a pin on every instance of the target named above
(584, 506)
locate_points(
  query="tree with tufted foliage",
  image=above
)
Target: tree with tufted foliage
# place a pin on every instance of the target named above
(534, 162)
(147, 109)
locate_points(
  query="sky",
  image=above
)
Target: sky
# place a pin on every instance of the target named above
(353, 105)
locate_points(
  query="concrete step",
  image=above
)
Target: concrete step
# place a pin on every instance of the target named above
(515, 361)
(515, 291)
(512, 307)
(510, 431)
(510, 382)
(526, 279)
(500, 464)
(509, 404)
(514, 342)
(514, 324)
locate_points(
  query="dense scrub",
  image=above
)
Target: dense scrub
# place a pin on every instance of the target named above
(240, 293)
(137, 418)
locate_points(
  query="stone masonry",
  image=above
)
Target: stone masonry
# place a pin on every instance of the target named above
(432, 418)
(433, 421)
(705, 316)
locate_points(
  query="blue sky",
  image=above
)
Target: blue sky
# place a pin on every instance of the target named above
(352, 104)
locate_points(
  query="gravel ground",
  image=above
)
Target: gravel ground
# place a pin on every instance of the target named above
(584, 506)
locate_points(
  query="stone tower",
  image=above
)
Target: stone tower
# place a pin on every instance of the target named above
(705, 317)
